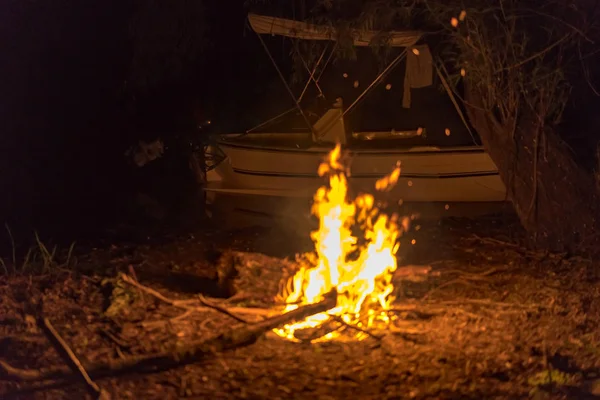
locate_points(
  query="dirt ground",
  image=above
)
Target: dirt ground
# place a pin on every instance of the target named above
(492, 321)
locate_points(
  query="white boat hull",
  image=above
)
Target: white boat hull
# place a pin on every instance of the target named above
(429, 174)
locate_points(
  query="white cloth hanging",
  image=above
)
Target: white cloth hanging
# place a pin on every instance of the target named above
(419, 71)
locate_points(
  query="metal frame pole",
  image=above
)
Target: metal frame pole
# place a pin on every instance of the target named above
(327, 62)
(381, 75)
(453, 98)
(303, 92)
(270, 120)
(286, 85)
(375, 81)
(311, 77)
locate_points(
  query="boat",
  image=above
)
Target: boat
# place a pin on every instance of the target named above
(281, 163)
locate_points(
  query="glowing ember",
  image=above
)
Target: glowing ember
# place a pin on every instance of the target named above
(360, 271)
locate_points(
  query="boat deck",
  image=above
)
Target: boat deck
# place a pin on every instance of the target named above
(398, 141)
(285, 165)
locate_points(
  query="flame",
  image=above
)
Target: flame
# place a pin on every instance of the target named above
(359, 271)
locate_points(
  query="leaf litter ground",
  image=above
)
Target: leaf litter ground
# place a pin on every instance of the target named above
(492, 320)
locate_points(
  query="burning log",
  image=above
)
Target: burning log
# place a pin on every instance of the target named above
(355, 255)
(185, 354)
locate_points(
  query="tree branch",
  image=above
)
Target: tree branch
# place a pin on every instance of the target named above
(186, 354)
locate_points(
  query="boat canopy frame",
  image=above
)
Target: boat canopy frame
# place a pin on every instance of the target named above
(299, 30)
(262, 24)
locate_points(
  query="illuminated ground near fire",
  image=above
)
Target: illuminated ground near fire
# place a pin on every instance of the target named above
(498, 322)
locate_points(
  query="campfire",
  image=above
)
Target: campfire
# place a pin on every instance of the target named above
(354, 258)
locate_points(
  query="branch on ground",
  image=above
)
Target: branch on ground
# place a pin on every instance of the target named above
(182, 355)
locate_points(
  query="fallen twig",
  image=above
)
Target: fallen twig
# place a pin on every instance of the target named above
(133, 282)
(162, 322)
(184, 354)
(517, 247)
(222, 310)
(357, 328)
(72, 359)
(477, 276)
(192, 304)
(436, 307)
(465, 282)
(417, 308)
(134, 276)
(424, 310)
(485, 302)
(118, 341)
(414, 272)
(408, 328)
(498, 241)
(466, 278)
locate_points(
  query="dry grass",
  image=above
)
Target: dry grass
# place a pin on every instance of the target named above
(38, 259)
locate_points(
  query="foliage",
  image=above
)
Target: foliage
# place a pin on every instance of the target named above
(518, 55)
(122, 296)
(167, 38)
(548, 378)
(38, 258)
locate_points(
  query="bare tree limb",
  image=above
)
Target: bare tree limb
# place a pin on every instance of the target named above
(222, 310)
(192, 304)
(72, 359)
(539, 53)
(186, 354)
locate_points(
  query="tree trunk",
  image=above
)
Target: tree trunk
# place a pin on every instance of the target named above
(560, 208)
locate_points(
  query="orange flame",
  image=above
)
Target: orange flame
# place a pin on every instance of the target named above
(361, 274)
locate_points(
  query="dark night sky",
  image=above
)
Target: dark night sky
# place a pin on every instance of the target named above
(66, 121)
(64, 125)
(65, 61)
(60, 61)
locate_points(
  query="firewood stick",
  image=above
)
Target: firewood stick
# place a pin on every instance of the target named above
(65, 350)
(221, 310)
(192, 304)
(185, 354)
